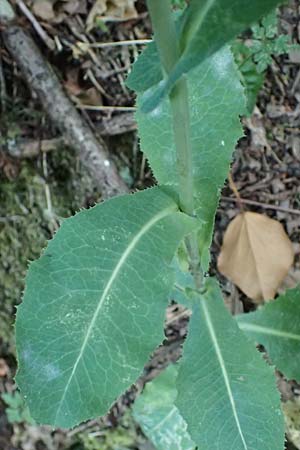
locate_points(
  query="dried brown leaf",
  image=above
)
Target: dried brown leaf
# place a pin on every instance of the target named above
(74, 7)
(55, 11)
(111, 10)
(256, 255)
(84, 95)
(44, 9)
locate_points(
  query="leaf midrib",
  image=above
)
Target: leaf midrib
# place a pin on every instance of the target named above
(167, 417)
(146, 227)
(267, 330)
(218, 351)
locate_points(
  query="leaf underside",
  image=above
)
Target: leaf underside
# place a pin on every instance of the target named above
(226, 392)
(94, 305)
(207, 26)
(158, 416)
(276, 326)
(216, 100)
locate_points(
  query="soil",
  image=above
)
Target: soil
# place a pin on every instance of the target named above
(36, 192)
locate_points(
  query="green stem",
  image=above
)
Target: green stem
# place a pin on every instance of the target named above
(168, 48)
(181, 127)
(164, 32)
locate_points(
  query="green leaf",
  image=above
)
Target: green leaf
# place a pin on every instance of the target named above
(216, 100)
(157, 415)
(17, 411)
(184, 282)
(268, 28)
(226, 392)
(94, 305)
(276, 326)
(206, 27)
(146, 70)
(252, 80)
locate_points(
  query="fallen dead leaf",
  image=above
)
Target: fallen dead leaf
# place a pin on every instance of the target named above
(111, 10)
(8, 166)
(55, 11)
(90, 97)
(256, 255)
(258, 133)
(85, 96)
(74, 7)
(44, 9)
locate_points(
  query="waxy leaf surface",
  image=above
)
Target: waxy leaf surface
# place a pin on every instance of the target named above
(216, 100)
(206, 26)
(94, 305)
(276, 326)
(158, 416)
(226, 392)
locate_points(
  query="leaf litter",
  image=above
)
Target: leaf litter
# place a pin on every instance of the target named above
(252, 165)
(111, 10)
(256, 255)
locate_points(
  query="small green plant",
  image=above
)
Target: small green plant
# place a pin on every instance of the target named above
(125, 436)
(254, 55)
(16, 411)
(94, 304)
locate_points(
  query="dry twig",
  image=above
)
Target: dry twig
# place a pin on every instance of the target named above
(105, 108)
(40, 31)
(261, 205)
(43, 81)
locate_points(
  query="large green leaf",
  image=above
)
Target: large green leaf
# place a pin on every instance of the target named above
(216, 100)
(206, 27)
(226, 392)
(276, 326)
(158, 416)
(94, 305)
(146, 70)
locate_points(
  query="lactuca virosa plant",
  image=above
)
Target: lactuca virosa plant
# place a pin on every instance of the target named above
(94, 303)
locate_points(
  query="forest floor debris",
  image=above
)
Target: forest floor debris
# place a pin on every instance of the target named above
(36, 193)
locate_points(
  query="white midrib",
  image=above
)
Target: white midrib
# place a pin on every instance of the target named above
(168, 416)
(131, 246)
(266, 330)
(223, 369)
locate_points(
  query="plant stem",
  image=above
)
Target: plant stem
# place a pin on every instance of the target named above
(164, 32)
(181, 127)
(168, 48)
